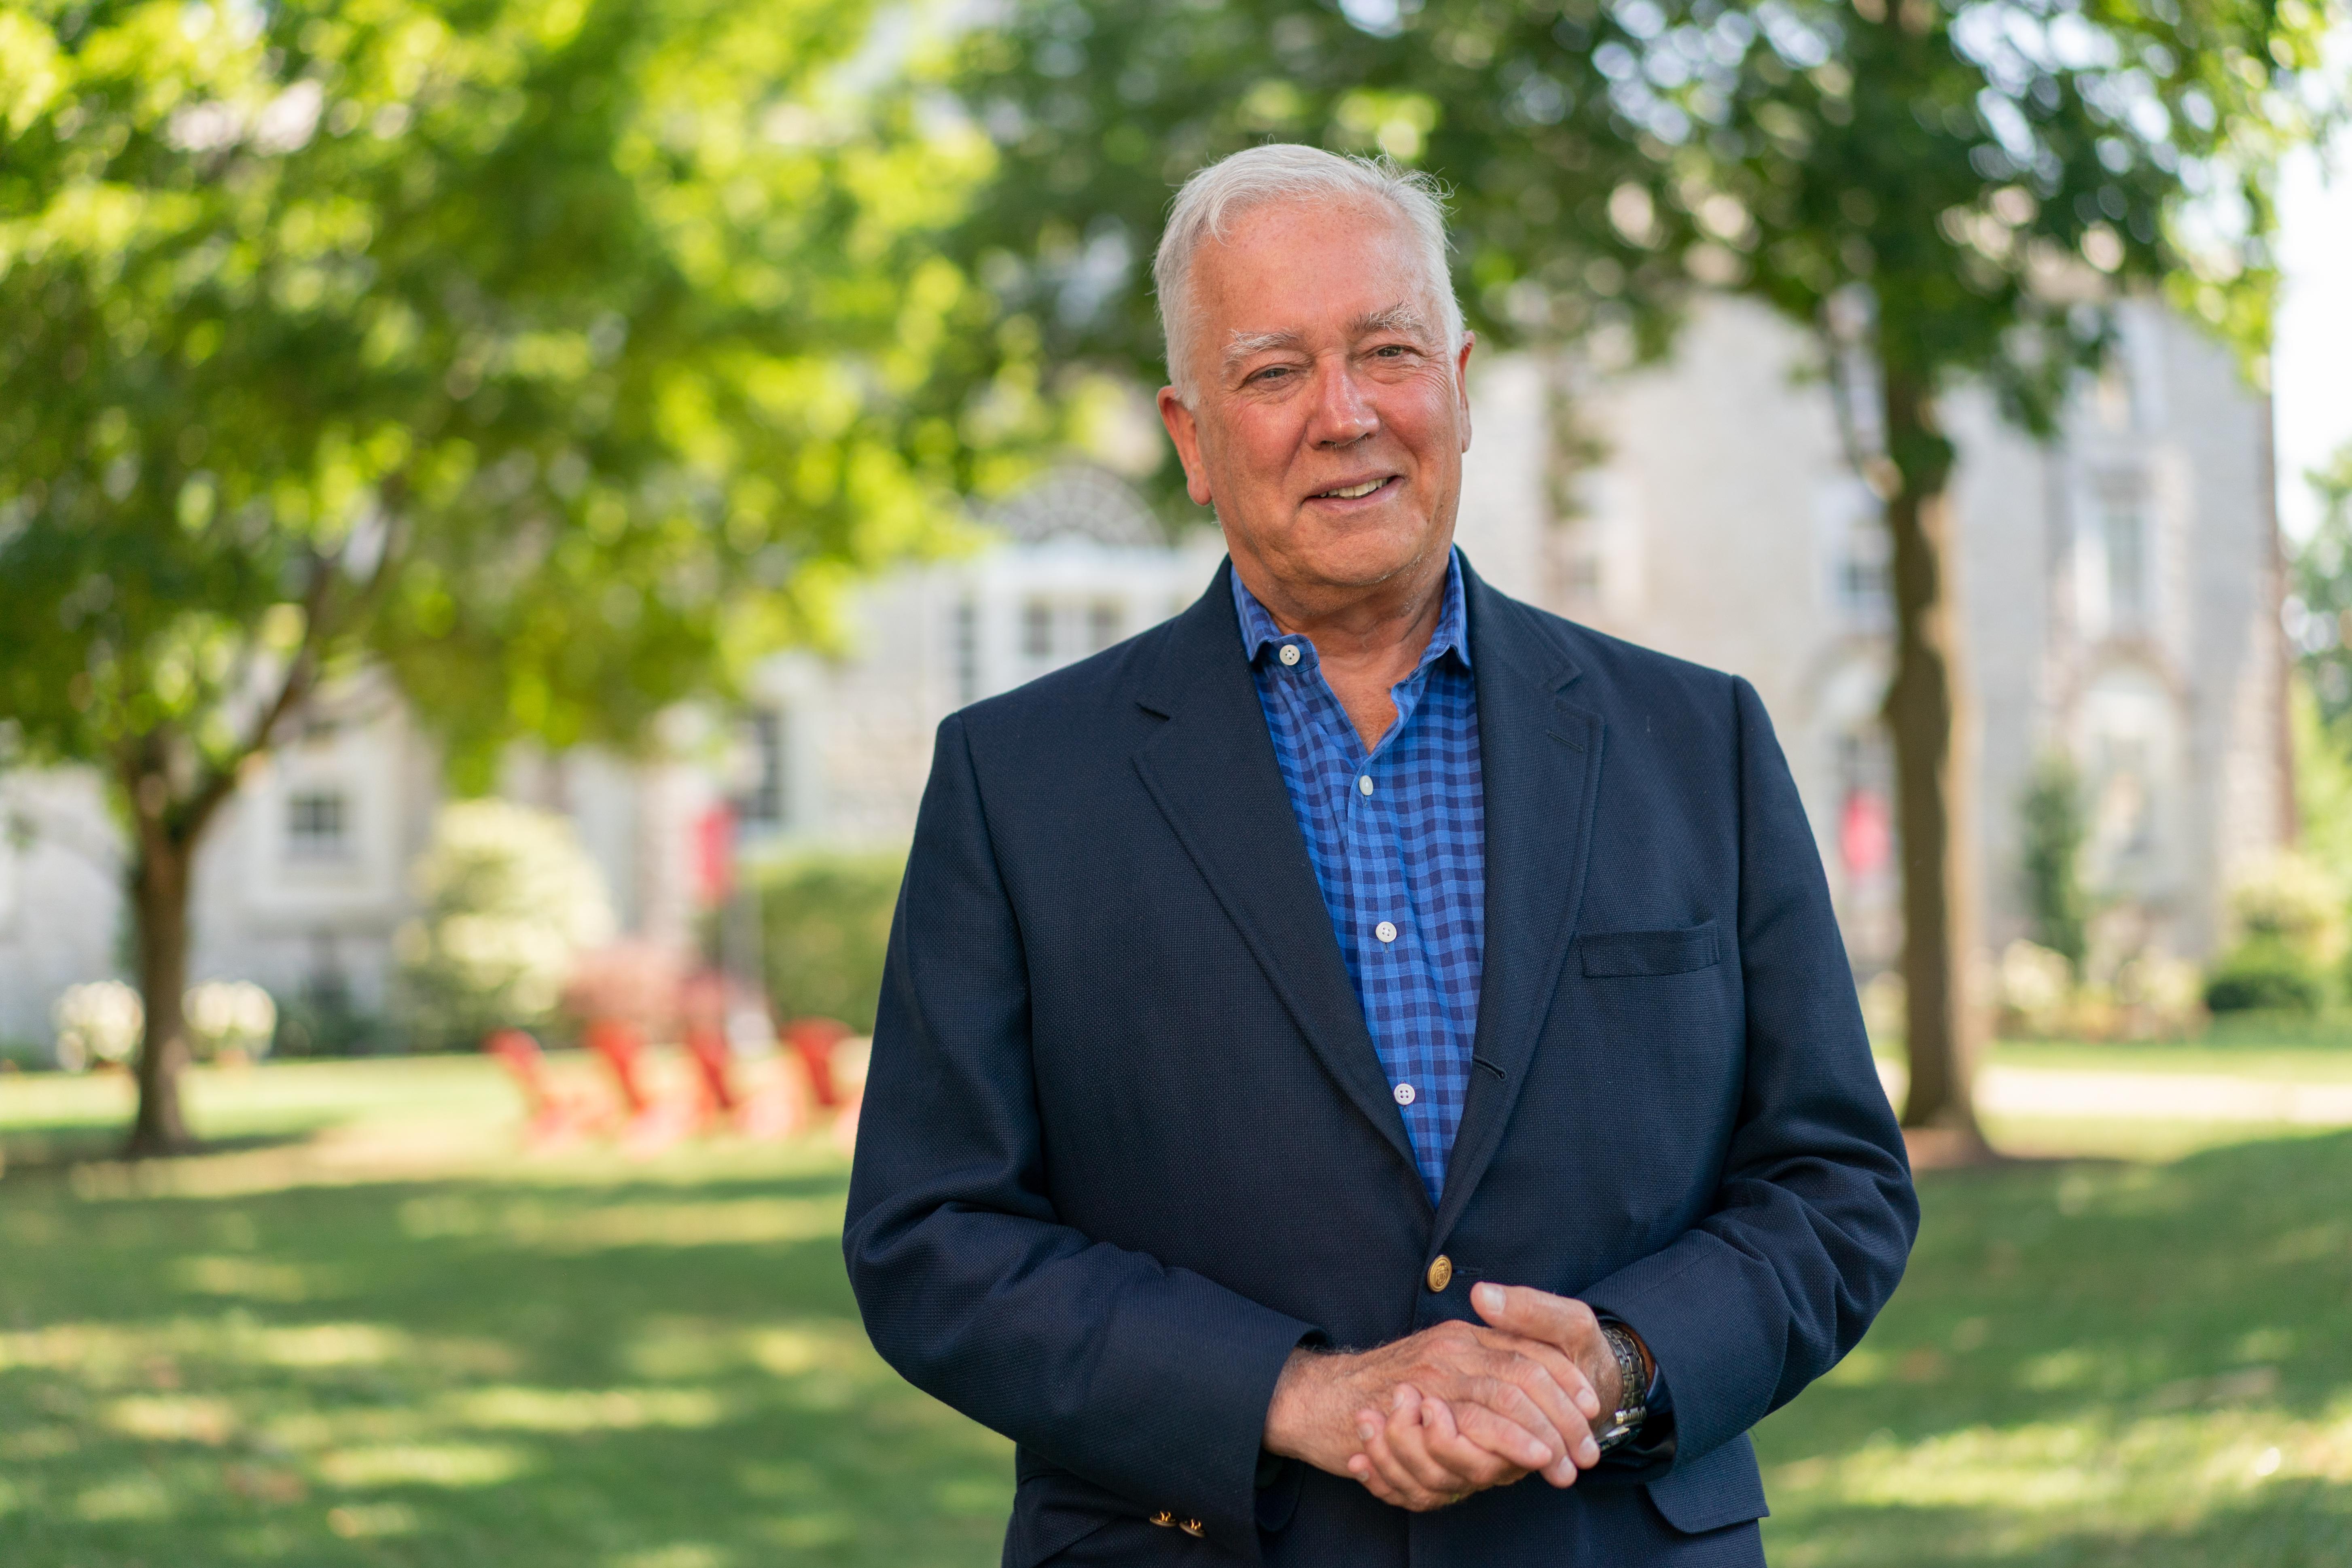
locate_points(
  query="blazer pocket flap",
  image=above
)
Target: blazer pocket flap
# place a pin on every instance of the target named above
(1713, 1490)
(1650, 951)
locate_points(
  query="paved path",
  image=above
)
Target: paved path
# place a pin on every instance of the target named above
(2149, 1096)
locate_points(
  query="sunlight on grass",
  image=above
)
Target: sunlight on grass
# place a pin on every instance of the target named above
(587, 1410)
(721, 1221)
(396, 1341)
(422, 1464)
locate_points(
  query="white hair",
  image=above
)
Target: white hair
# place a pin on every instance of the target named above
(1287, 171)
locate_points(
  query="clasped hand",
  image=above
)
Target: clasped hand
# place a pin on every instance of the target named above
(1455, 1409)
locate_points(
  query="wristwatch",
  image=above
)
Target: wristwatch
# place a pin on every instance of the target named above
(1634, 1387)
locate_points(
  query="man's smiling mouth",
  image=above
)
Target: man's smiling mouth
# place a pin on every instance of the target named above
(1353, 491)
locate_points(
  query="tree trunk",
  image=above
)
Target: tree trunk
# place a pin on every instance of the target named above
(1933, 728)
(159, 906)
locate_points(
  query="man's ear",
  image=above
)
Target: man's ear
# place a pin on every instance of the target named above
(1461, 383)
(1185, 431)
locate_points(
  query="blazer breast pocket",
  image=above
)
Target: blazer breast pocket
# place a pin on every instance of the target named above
(1633, 952)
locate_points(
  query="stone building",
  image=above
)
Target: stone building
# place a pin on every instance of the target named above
(2119, 585)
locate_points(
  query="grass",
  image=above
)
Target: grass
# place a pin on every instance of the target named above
(2283, 1048)
(370, 1335)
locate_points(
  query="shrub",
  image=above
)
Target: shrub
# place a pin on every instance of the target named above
(2054, 832)
(2264, 973)
(227, 1016)
(2037, 989)
(328, 1026)
(824, 924)
(510, 900)
(2290, 903)
(99, 1022)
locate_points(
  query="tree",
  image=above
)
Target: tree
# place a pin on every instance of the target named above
(2319, 611)
(548, 358)
(2051, 813)
(1942, 191)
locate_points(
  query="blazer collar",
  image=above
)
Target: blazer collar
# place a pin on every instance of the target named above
(1212, 770)
(1540, 757)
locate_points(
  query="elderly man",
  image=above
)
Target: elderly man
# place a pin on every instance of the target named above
(1366, 1071)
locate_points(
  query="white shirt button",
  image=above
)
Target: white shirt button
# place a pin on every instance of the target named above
(1365, 784)
(1385, 930)
(1289, 653)
(1404, 1094)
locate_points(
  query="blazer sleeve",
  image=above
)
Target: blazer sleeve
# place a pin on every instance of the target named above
(1814, 1213)
(1149, 1381)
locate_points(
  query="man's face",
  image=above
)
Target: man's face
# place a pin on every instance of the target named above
(1328, 417)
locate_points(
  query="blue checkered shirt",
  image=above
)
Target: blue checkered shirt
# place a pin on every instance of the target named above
(1403, 866)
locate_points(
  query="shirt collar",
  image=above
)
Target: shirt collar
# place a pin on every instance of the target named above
(1452, 625)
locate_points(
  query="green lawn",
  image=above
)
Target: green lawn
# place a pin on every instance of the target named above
(369, 1333)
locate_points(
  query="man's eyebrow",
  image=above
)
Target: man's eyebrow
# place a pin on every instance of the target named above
(1398, 317)
(1241, 345)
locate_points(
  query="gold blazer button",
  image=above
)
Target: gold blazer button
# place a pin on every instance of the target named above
(1441, 1273)
(1192, 1527)
(1163, 1519)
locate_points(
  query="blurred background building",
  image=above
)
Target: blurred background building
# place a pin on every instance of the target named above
(2121, 586)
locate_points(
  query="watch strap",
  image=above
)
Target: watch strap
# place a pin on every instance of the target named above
(1633, 1388)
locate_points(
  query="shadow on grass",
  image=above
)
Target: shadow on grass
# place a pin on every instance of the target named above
(2090, 1364)
(555, 1364)
(578, 1362)
(52, 1147)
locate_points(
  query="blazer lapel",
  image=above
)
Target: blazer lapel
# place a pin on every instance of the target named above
(1212, 770)
(1540, 759)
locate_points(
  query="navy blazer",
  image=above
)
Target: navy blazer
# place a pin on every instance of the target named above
(1126, 1142)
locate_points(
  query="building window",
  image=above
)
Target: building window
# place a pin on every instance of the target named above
(318, 826)
(965, 640)
(2123, 528)
(1864, 584)
(1104, 619)
(1037, 630)
(765, 805)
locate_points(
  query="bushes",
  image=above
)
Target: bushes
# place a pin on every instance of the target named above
(2264, 975)
(510, 901)
(2289, 913)
(824, 924)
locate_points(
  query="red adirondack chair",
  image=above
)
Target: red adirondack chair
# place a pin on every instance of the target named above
(558, 1115)
(772, 1104)
(813, 1040)
(655, 1121)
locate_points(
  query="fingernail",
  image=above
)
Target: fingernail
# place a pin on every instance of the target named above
(1588, 1452)
(1489, 1296)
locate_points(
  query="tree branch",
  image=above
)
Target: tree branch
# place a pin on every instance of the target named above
(305, 668)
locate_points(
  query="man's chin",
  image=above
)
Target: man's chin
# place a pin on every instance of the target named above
(1356, 552)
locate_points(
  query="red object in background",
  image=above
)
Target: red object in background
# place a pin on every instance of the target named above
(813, 1040)
(556, 1115)
(1865, 833)
(620, 1046)
(714, 854)
(702, 1004)
(655, 1122)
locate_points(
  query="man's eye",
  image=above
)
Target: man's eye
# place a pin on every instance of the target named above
(1391, 351)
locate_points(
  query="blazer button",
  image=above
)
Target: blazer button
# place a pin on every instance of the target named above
(1441, 1273)
(1192, 1527)
(1163, 1519)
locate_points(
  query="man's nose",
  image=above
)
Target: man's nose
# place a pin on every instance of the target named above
(1343, 413)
